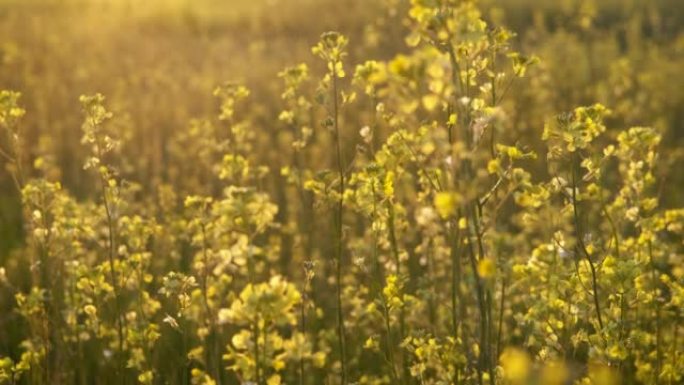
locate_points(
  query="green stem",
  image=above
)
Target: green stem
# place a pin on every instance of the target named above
(582, 247)
(112, 270)
(658, 326)
(485, 301)
(339, 231)
(257, 358)
(402, 312)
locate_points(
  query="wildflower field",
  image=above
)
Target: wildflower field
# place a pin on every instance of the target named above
(341, 192)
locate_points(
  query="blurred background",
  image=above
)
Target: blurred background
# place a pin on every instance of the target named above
(157, 61)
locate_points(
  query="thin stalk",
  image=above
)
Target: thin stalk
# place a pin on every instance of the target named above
(17, 175)
(141, 309)
(658, 326)
(492, 140)
(485, 304)
(112, 270)
(613, 227)
(582, 247)
(621, 333)
(402, 312)
(339, 231)
(257, 359)
(377, 287)
(390, 348)
(211, 349)
(499, 333)
(184, 347)
(80, 370)
(456, 266)
(455, 240)
(5, 155)
(485, 348)
(432, 306)
(302, 316)
(483, 315)
(456, 295)
(113, 276)
(52, 329)
(675, 340)
(265, 350)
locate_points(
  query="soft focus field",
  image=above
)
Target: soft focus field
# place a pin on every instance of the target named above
(440, 192)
